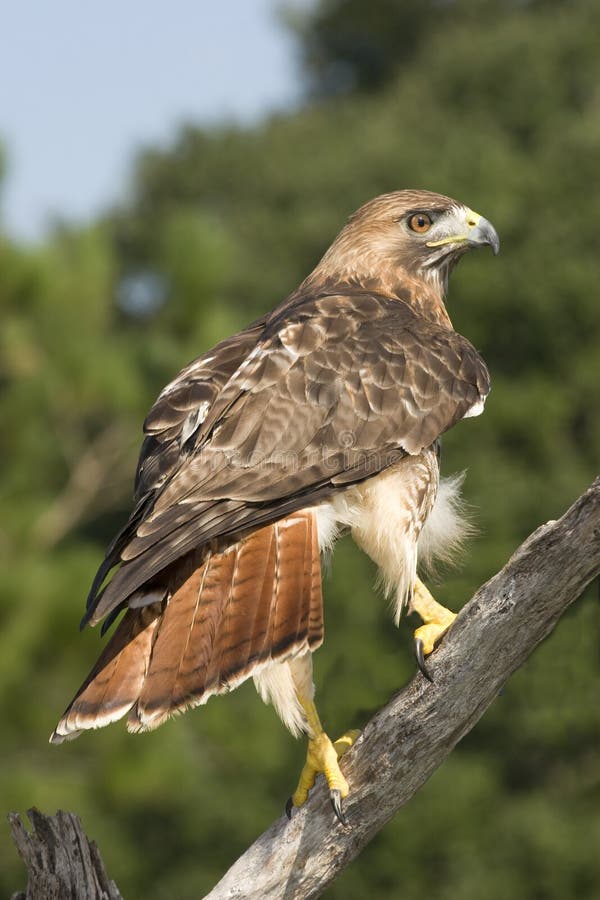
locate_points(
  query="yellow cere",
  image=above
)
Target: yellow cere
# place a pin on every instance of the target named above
(472, 219)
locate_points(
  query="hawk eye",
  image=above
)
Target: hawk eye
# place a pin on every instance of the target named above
(420, 222)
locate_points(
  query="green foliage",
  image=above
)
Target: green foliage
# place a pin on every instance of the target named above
(495, 104)
(349, 46)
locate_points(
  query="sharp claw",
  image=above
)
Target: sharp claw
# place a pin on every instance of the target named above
(420, 657)
(288, 807)
(336, 801)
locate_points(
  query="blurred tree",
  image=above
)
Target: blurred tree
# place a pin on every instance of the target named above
(349, 46)
(493, 103)
(352, 46)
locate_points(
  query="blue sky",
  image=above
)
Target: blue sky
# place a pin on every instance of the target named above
(82, 85)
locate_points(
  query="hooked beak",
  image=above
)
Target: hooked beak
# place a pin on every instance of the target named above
(472, 230)
(482, 233)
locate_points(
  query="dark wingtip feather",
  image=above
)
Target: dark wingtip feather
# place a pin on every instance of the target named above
(111, 618)
(92, 598)
(112, 558)
(91, 607)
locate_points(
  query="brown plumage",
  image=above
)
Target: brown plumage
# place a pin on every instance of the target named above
(228, 613)
(262, 447)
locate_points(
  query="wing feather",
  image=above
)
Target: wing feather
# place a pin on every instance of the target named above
(325, 398)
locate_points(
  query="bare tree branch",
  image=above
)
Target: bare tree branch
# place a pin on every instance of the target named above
(406, 741)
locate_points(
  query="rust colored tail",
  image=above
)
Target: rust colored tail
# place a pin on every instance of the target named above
(227, 614)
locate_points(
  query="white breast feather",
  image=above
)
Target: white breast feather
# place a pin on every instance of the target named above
(448, 525)
(278, 682)
(377, 514)
(383, 530)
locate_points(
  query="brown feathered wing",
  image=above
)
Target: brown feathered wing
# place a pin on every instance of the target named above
(329, 395)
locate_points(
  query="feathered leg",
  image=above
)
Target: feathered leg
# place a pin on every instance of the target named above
(322, 754)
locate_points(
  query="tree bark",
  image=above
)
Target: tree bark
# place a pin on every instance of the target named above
(62, 864)
(409, 738)
(398, 750)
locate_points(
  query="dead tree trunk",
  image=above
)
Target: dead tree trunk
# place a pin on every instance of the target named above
(401, 746)
(62, 864)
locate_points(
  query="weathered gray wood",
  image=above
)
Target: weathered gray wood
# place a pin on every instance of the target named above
(62, 864)
(407, 740)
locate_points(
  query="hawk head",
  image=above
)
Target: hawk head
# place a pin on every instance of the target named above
(418, 234)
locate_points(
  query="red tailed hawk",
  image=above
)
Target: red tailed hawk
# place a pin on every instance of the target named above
(325, 415)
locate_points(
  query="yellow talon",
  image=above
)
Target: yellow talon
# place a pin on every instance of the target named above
(430, 633)
(322, 757)
(437, 620)
(343, 743)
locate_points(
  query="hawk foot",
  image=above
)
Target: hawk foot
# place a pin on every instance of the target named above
(437, 621)
(322, 757)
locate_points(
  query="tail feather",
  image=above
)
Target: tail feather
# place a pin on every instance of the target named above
(315, 609)
(241, 636)
(229, 613)
(257, 561)
(192, 607)
(294, 577)
(114, 684)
